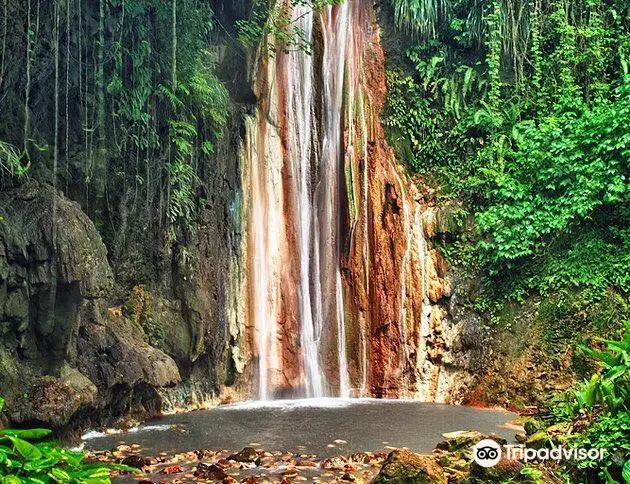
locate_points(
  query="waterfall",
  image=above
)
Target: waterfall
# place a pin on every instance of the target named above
(295, 216)
(340, 286)
(334, 57)
(263, 256)
(300, 126)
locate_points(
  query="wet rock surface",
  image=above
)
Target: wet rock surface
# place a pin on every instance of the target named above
(254, 464)
(459, 440)
(248, 454)
(221, 466)
(68, 357)
(405, 467)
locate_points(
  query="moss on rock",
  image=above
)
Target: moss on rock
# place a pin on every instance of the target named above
(405, 467)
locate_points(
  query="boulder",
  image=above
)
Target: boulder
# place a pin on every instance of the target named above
(539, 440)
(65, 359)
(53, 266)
(134, 460)
(55, 400)
(505, 471)
(531, 426)
(335, 462)
(546, 437)
(360, 457)
(460, 440)
(405, 467)
(210, 472)
(248, 454)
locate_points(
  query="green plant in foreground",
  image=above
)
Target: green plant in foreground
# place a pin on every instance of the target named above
(29, 456)
(603, 403)
(611, 432)
(533, 473)
(11, 160)
(609, 389)
(612, 388)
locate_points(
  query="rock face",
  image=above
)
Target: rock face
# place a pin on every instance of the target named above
(398, 287)
(308, 222)
(61, 351)
(344, 291)
(405, 467)
(459, 440)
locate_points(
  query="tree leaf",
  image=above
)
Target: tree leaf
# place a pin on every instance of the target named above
(626, 471)
(35, 434)
(25, 449)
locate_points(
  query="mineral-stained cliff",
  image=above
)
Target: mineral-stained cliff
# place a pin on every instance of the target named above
(181, 319)
(343, 281)
(59, 344)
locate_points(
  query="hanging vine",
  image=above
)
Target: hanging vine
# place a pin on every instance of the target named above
(5, 27)
(131, 111)
(67, 100)
(27, 88)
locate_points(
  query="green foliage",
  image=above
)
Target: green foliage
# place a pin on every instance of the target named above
(600, 411)
(567, 317)
(521, 109)
(420, 17)
(277, 23)
(425, 112)
(612, 389)
(607, 389)
(182, 180)
(593, 260)
(610, 431)
(11, 161)
(533, 196)
(208, 94)
(27, 455)
(533, 473)
(169, 108)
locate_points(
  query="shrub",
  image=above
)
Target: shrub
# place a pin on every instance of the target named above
(30, 456)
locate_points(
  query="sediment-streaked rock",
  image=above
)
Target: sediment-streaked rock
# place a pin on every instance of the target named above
(61, 347)
(405, 467)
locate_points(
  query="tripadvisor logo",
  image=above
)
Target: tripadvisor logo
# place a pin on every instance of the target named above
(487, 453)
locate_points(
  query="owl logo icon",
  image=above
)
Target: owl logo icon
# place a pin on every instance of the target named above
(487, 453)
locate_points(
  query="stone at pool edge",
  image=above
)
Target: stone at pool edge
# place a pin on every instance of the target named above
(135, 460)
(406, 467)
(248, 454)
(459, 440)
(210, 472)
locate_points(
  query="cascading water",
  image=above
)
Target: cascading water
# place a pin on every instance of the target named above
(300, 123)
(328, 195)
(338, 298)
(304, 253)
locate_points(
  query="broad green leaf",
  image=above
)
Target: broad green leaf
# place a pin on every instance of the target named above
(59, 475)
(26, 449)
(29, 434)
(11, 479)
(35, 480)
(40, 464)
(73, 458)
(13, 463)
(626, 471)
(616, 372)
